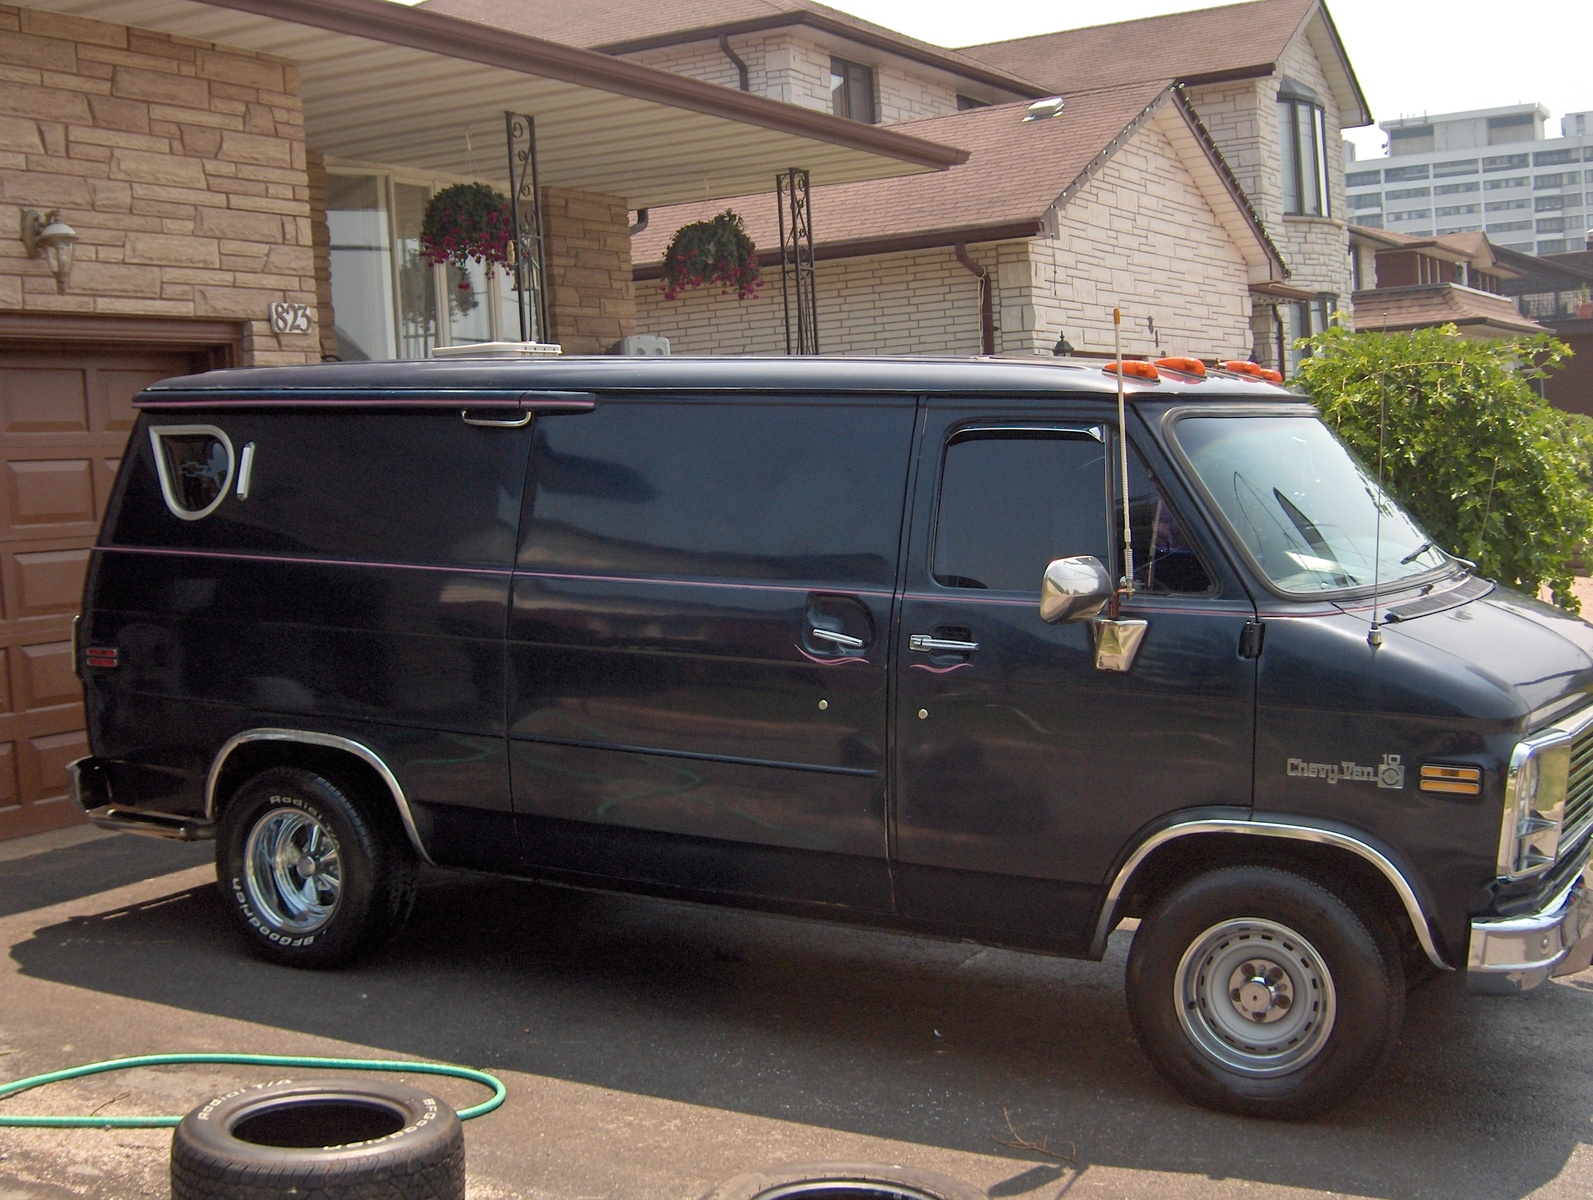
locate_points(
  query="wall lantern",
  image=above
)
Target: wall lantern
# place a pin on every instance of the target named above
(52, 238)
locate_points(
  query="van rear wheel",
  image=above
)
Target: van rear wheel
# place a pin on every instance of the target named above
(310, 879)
(1257, 991)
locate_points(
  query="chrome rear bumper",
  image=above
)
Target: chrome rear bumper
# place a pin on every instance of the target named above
(1514, 954)
(92, 794)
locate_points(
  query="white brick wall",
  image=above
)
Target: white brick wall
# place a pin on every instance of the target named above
(1138, 236)
(918, 303)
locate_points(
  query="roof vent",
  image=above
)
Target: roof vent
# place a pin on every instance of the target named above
(1042, 110)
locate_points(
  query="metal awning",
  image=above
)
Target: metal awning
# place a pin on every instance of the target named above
(404, 87)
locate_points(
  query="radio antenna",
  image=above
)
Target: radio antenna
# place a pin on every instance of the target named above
(1122, 447)
(1374, 636)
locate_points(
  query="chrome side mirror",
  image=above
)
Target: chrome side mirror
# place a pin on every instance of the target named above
(1075, 589)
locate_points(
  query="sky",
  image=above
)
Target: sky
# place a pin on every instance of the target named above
(1411, 56)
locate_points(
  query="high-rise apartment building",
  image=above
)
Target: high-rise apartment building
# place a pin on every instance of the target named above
(1491, 170)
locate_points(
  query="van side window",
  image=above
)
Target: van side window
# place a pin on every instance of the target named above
(195, 464)
(1165, 562)
(758, 490)
(1013, 500)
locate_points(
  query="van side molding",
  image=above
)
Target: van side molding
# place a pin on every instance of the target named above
(1270, 829)
(332, 741)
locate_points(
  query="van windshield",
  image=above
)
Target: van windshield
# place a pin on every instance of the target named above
(1302, 506)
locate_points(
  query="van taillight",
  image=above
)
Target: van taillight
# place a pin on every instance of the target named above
(104, 657)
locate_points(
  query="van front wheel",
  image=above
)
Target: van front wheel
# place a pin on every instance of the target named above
(1257, 991)
(309, 879)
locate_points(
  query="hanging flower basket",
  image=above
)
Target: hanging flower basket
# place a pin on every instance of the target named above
(712, 253)
(467, 221)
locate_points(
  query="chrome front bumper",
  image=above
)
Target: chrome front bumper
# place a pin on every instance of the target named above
(1514, 954)
(91, 793)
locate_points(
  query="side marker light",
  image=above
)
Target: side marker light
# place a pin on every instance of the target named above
(1457, 781)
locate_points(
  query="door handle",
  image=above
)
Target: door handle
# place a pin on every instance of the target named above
(512, 423)
(838, 639)
(925, 644)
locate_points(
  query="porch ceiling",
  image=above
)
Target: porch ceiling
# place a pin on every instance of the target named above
(404, 87)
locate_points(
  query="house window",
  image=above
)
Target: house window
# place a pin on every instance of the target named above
(1304, 149)
(1455, 189)
(1303, 319)
(1400, 174)
(1363, 179)
(852, 91)
(1409, 193)
(1459, 166)
(387, 300)
(1455, 210)
(1367, 200)
(1506, 205)
(1515, 181)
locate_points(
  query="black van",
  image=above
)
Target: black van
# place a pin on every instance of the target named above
(841, 638)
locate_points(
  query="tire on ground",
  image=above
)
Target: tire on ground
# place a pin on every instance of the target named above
(845, 1181)
(311, 877)
(1257, 991)
(320, 1140)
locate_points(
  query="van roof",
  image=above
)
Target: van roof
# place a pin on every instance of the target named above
(506, 381)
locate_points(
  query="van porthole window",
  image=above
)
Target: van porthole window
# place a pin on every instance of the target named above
(196, 464)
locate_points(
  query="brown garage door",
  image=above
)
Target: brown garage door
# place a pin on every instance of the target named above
(64, 418)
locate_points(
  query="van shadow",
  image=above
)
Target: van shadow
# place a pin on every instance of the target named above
(907, 1039)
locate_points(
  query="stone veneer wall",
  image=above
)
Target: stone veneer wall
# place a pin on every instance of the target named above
(791, 68)
(180, 164)
(1138, 236)
(592, 300)
(1243, 120)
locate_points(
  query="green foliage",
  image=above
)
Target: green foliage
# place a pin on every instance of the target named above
(1490, 470)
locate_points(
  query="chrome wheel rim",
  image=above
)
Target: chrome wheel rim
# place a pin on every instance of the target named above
(1255, 997)
(292, 870)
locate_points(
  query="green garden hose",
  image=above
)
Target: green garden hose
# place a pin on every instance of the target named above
(247, 1060)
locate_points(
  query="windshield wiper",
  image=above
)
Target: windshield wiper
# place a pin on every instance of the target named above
(1416, 553)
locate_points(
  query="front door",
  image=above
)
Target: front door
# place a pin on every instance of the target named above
(698, 645)
(1022, 771)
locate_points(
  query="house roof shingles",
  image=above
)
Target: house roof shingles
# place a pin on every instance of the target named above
(1015, 171)
(1427, 305)
(621, 26)
(1232, 42)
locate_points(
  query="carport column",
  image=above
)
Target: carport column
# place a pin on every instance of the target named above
(587, 246)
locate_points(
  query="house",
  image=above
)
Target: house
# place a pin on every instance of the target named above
(1556, 290)
(1256, 79)
(243, 181)
(1272, 83)
(1119, 199)
(1408, 282)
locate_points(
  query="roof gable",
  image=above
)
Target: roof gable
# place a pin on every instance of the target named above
(1016, 171)
(1237, 41)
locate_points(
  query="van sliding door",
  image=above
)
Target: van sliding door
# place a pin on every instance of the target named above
(698, 645)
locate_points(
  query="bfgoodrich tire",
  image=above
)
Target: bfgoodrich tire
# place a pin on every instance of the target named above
(311, 879)
(1257, 991)
(320, 1140)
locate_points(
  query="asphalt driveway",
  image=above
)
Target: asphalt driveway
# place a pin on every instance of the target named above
(653, 1050)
